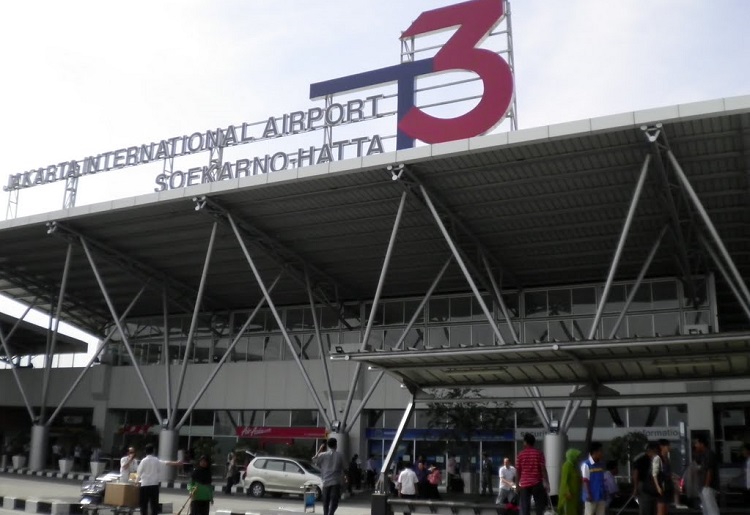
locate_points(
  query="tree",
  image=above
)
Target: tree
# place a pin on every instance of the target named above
(470, 415)
(625, 448)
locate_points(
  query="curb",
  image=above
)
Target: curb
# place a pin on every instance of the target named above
(58, 507)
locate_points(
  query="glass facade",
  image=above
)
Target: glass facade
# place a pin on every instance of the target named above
(660, 307)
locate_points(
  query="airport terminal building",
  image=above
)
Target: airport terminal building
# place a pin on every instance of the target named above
(591, 273)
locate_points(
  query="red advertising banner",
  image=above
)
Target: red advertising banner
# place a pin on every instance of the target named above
(135, 429)
(280, 432)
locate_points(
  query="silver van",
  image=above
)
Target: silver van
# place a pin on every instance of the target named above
(281, 476)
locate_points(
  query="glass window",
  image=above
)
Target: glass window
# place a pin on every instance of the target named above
(277, 418)
(535, 304)
(664, 294)
(676, 414)
(330, 340)
(271, 324)
(476, 308)
(535, 332)
(308, 345)
(295, 318)
(697, 318)
(329, 318)
(582, 328)
(378, 314)
(701, 292)
(391, 338)
(616, 298)
(394, 313)
(460, 335)
(560, 331)
(666, 324)
(511, 303)
(392, 418)
(439, 310)
(647, 416)
(461, 309)
(202, 417)
(410, 306)
(349, 337)
(608, 323)
(505, 332)
(559, 303)
(304, 418)
(415, 338)
(374, 418)
(642, 299)
(272, 348)
(376, 340)
(260, 463)
(482, 334)
(438, 337)
(640, 326)
(292, 468)
(275, 465)
(584, 301)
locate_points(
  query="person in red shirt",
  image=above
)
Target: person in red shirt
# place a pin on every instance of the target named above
(532, 477)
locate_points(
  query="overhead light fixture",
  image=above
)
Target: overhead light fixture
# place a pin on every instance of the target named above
(339, 349)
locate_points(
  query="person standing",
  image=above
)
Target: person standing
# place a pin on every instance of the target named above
(594, 494)
(450, 473)
(569, 495)
(532, 477)
(406, 484)
(200, 488)
(642, 482)
(332, 466)
(128, 465)
(488, 471)
(434, 478)
(708, 476)
(662, 474)
(56, 454)
(371, 472)
(149, 475)
(506, 489)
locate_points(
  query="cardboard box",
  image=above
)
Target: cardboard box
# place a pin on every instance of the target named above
(121, 494)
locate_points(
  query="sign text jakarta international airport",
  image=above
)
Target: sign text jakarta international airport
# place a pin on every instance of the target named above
(473, 21)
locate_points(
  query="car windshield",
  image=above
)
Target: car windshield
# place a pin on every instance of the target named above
(309, 467)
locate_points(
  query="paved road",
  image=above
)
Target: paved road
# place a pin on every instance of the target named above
(48, 489)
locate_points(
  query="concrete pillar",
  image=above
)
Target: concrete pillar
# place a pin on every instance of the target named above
(38, 454)
(342, 439)
(168, 439)
(554, 454)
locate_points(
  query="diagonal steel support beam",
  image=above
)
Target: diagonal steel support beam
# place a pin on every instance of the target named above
(93, 358)
(165, 353)
(723, 271)
(740, 282)
(279, 321)
(401, 340)
(6, 349)
(375, 302)
(408, 411)
(638, 281)
(193, 324)
(321, 348)
(225, 356)
(462, 265)
(53, 342)
(120, 328)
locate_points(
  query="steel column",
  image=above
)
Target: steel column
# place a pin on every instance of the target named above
(709, 225)
(92, 360)
(380, 487)
(400, 341)
(375, 301)
(461, 264)
(638, 281)
(53, 342)
(725, 275)
(165, 354)
(500, 301)
(620, 245)
(225, 356)
(280, 322)
(323, 354)
(591, 420)
(193, 324)
(121, 330)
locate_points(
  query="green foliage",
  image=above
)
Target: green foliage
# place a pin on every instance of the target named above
(625, 448)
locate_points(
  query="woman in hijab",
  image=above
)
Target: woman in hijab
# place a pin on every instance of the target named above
(569, 500)
(201, 491)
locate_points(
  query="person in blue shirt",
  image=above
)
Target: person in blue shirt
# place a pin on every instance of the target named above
(593, 490)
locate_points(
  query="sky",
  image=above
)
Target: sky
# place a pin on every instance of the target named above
(87, 77)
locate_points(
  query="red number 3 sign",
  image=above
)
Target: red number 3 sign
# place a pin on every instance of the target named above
(474, 21)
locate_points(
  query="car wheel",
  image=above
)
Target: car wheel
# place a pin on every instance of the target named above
(257, 489)
(318, 493)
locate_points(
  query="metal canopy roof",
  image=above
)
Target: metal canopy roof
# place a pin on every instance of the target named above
(548, 203)
(567, 363)
(31, 340)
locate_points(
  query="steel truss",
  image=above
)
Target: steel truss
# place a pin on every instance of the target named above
(677, 192)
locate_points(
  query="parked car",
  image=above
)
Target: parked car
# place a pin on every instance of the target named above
(281, 476)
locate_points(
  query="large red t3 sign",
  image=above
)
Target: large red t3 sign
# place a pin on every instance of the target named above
(473, 21)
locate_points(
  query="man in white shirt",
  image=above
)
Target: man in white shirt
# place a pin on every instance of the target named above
(149, 475)
(507, 485)
(128, 465)
(406, 484)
